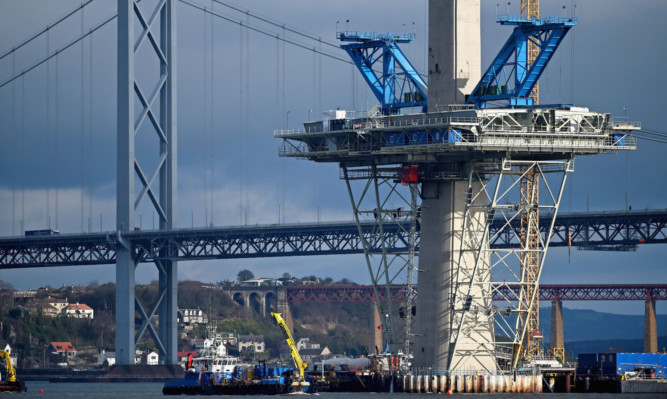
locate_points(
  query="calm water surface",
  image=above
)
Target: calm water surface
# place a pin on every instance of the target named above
(154, 390)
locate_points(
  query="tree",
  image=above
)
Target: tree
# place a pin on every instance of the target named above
(244, 275)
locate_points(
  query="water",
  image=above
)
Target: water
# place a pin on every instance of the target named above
(154, 390)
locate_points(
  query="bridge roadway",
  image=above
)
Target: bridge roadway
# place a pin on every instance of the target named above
(548, 292)
(599, 231)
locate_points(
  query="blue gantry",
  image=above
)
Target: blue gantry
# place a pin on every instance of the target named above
(400, 85)
(510, 79)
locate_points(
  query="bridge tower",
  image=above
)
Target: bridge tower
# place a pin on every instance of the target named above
(146, 107)
(490, 160)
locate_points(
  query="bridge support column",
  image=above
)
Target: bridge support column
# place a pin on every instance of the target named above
(444, 307)
(125, 345)
(557, 337)
(155, 107)
(650, 328)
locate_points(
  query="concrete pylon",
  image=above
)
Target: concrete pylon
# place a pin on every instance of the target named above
(376, 331)
(557, 337)
(440, 256)
(454, 51)
(650, 328)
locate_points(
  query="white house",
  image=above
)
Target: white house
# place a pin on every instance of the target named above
(192, 316)
(108, 357)
(55, 308)
(253, 343)
(152, 358)
(80, 311)
(304, 343)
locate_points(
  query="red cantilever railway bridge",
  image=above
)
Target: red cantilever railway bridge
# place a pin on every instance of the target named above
(548, 292)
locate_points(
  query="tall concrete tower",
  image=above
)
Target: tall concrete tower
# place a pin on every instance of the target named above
(454, 54)
(454, 51)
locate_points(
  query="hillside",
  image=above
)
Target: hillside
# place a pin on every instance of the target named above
(343, 327)
(589, 325)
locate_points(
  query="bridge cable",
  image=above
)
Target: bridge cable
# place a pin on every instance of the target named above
(205, 153)
(81, 120)
(279, 25)
(90, 135)
(22, 156)
(13, 147)
(263, 32)
(48, 132)
(55, 145)
(212, 122)
(60, 50)
(45, 30)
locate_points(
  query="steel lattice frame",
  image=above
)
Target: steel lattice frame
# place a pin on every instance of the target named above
(501, 293)
(501, 189)
(152, 106)
(592, 231)
(378, 200)
(530, 230)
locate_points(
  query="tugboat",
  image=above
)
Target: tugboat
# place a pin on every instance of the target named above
(215, 373)
(212, 366)
(213, 357)
(10, 383)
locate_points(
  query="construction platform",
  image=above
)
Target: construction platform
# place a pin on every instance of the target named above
(459, 134)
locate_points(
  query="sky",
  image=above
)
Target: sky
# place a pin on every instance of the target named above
(235, 87)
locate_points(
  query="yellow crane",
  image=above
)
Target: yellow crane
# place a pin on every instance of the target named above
(11, 373)
(298, 362)
(11, 384)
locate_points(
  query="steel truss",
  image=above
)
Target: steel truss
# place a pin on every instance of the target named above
(382, 201)
(495, 192)
(598, 231)
(146, 106)
(501, 293)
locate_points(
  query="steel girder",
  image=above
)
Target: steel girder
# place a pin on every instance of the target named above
(601, 230)
(548, 292)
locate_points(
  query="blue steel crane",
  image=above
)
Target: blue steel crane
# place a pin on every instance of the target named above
(511, 78)
(400, 85)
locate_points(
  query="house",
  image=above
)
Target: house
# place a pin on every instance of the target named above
(228, 338)
(54, 308)
(253, 343)
(305, 343)
(192, 316)
(65, 349)
(199, 344)
(314, 354)
(80, 311)
(108, 357)
(12, 356)
(261, 282)
(151, 358)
